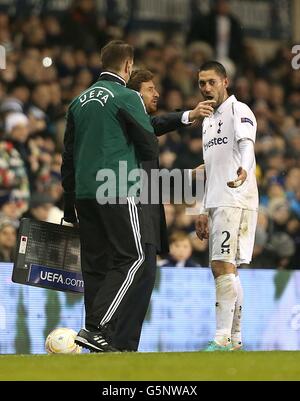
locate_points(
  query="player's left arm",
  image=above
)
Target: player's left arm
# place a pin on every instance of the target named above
(245, 133)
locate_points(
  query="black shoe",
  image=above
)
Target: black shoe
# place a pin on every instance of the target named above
(94, 341)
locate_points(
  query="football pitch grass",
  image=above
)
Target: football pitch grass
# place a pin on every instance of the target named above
(272, 365)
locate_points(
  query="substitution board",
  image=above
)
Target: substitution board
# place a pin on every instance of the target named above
(48, 256)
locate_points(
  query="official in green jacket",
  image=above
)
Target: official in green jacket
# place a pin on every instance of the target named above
(108, 130)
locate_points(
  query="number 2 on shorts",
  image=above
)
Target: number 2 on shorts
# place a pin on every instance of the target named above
(225, 248)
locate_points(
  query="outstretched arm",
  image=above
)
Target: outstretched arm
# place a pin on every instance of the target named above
(171, 121)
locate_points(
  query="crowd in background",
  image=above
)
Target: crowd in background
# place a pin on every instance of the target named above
(51, 60)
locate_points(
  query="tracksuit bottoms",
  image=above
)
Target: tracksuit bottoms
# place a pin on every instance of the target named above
(112, 257)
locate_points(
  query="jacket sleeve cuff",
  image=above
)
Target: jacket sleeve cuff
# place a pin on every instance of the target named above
(185, 118)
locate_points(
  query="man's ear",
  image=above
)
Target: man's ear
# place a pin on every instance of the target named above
(127, 66)
(226, 82)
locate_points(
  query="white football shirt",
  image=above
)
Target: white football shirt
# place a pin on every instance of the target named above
(230, 122)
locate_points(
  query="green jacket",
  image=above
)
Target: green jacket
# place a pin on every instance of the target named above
(106, 124)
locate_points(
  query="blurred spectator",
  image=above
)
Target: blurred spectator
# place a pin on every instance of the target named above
(180, 251)
(242, 90)
(292, 185)
(53, 30)
(184, 222)
(191, 155)
(262, 257)
(178, 82)
(8, 238)
(170, 213)
(13, 174)
(82, 28)
(40, 206)
(41, 97)
(12, 208)
(284, 248)
(220, 29)
(198, 53)
(14, 103)
(37, 120)
(279, 212)
(173, 97)
(152, 57)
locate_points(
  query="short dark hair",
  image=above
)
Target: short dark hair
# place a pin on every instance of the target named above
(138, 77)
(214, 65)
(114, 54)
(179, 236)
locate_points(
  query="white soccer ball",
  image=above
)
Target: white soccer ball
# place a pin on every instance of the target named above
(62, 341)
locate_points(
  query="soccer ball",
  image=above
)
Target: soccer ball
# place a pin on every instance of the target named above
(62, 341)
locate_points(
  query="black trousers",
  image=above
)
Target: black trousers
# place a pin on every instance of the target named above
(112, 257)
(125, 332)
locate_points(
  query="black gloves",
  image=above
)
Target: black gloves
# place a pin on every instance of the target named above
(70, 215)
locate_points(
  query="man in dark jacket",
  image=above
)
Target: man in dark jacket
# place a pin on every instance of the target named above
(127, 330)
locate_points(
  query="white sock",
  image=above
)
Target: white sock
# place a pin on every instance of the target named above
(236, 331)
(226, 295)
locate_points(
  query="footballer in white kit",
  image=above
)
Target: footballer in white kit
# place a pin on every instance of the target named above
(229, 214)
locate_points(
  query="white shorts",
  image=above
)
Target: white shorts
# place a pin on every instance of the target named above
(231, 234)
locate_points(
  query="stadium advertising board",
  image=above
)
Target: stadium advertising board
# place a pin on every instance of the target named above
(180, 317)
